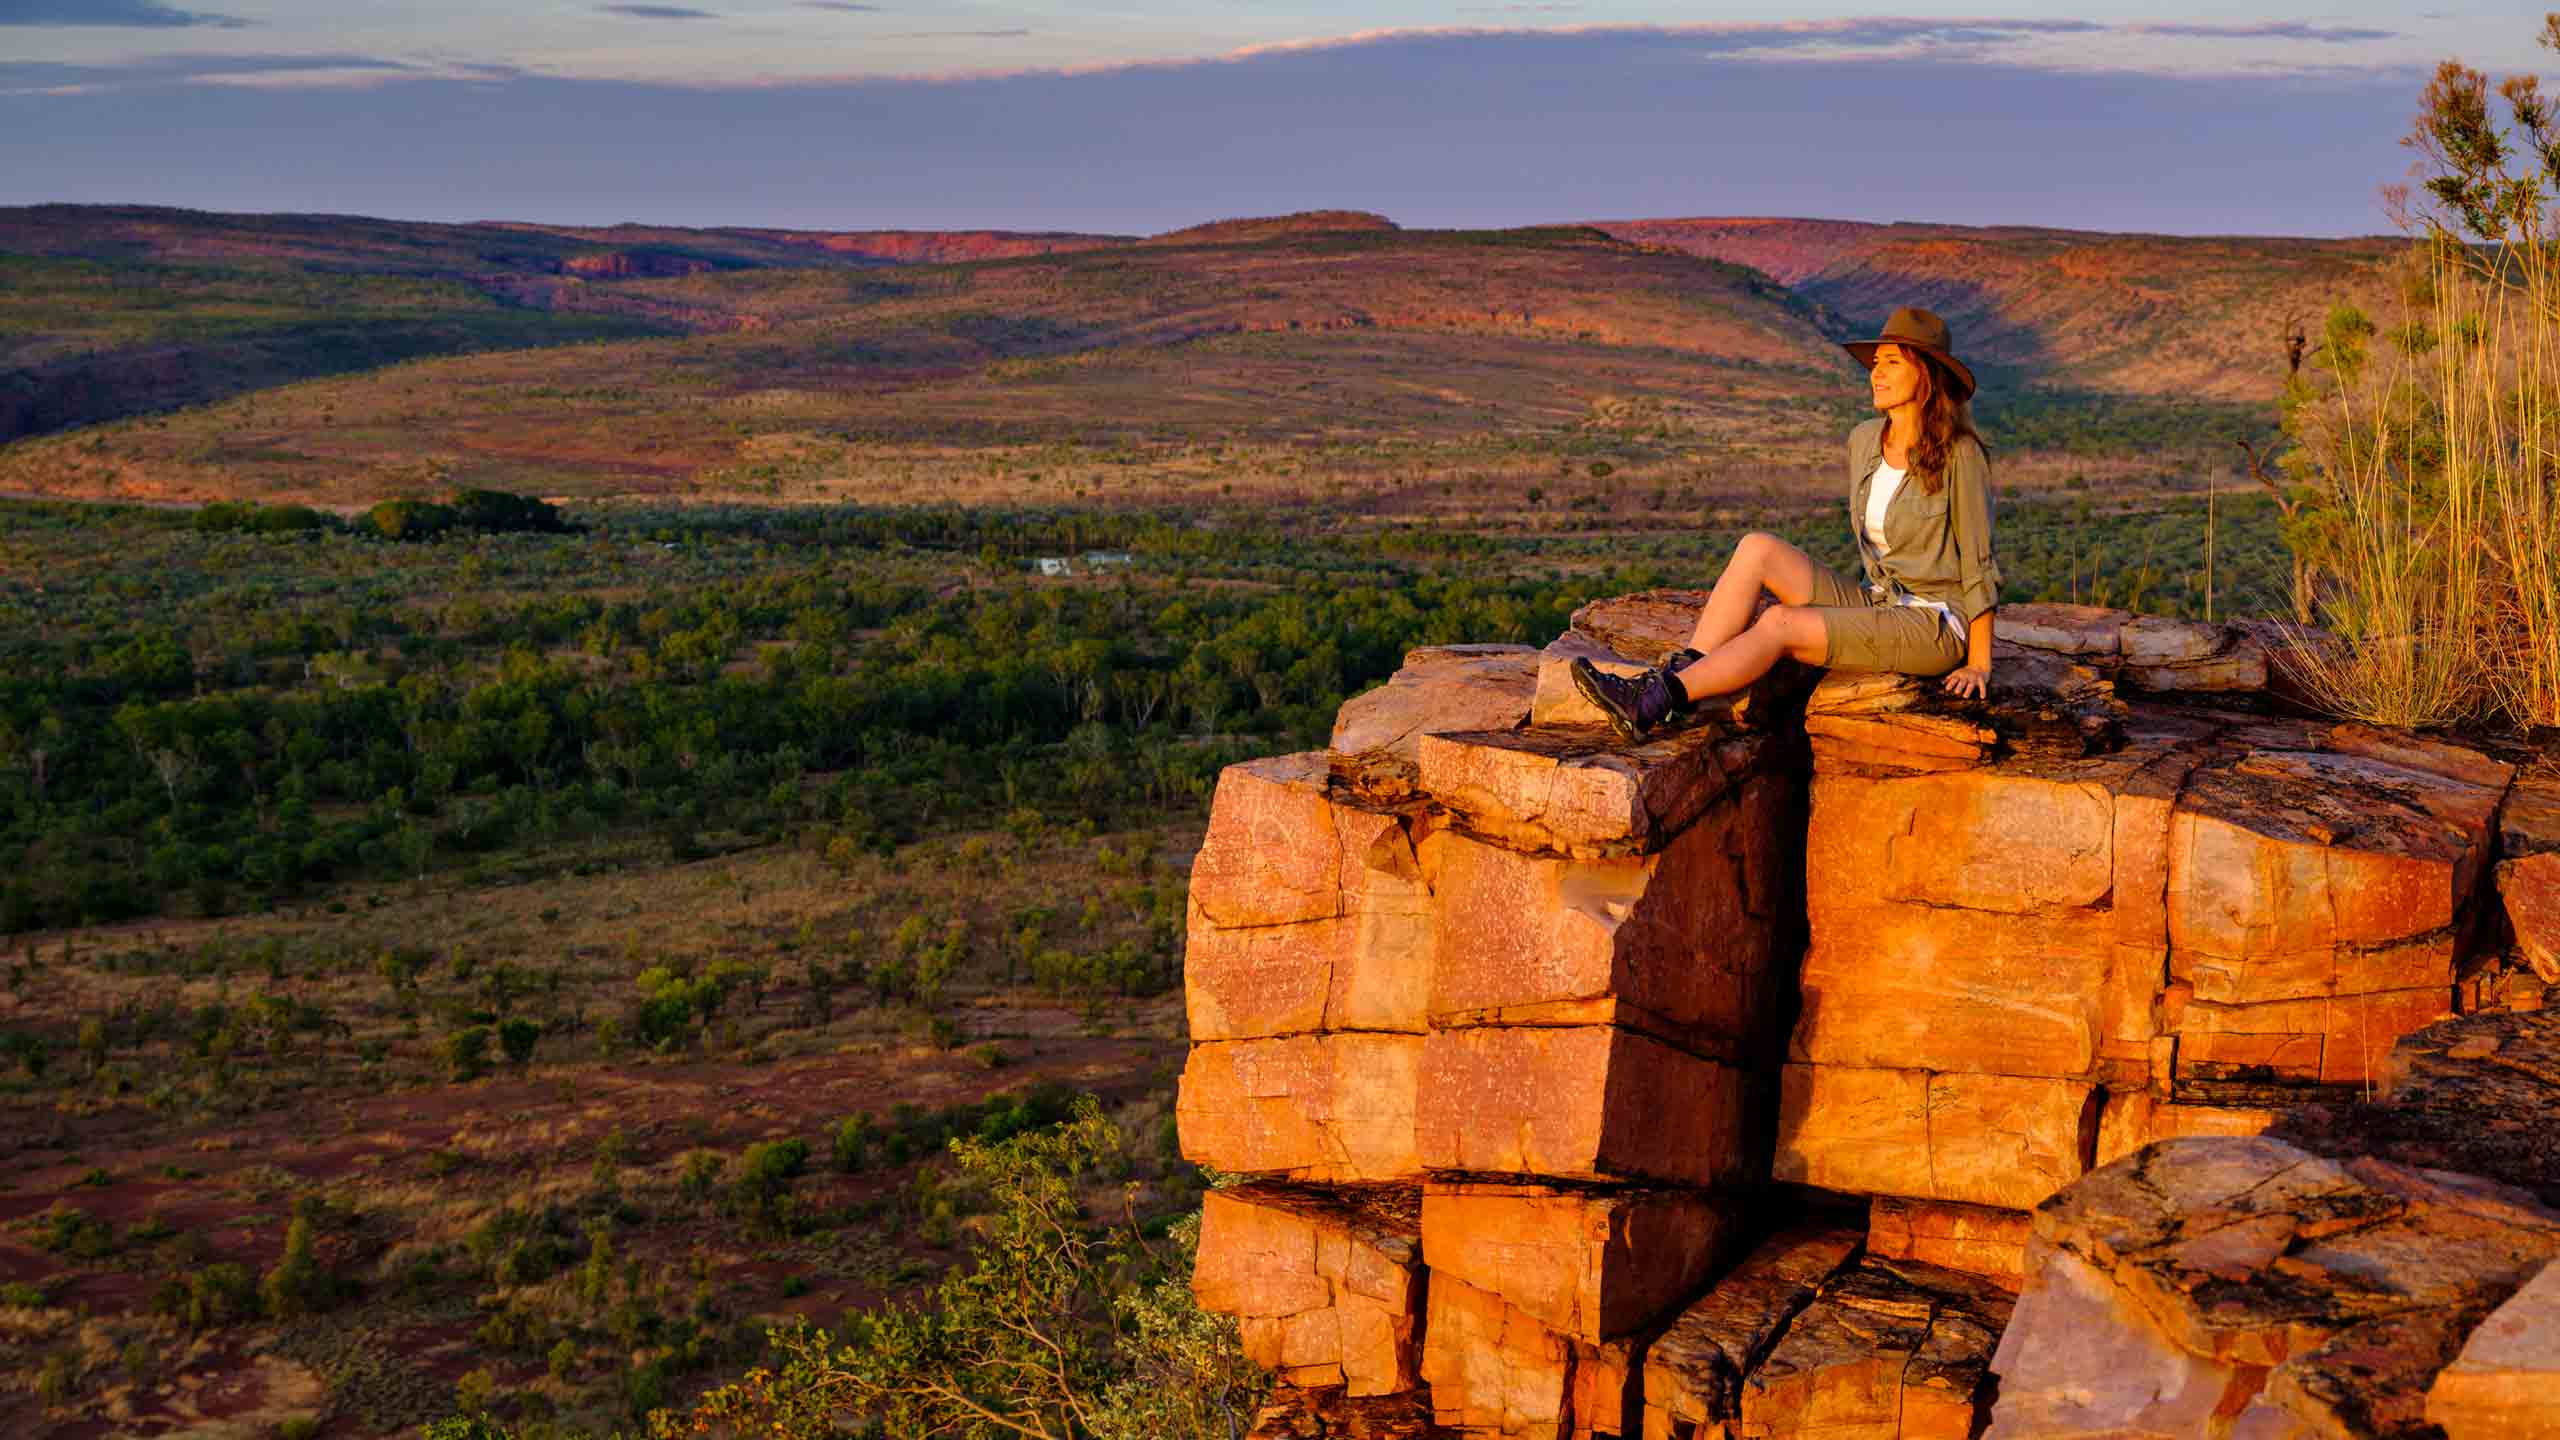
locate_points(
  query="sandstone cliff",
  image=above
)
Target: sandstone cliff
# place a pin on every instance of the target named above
(1858, 1062)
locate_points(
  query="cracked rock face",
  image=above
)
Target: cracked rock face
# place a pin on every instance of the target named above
(2251, 1282)
(1325, 1285)
(1495, 1007)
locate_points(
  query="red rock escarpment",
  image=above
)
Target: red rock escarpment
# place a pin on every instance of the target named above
(1936, 972)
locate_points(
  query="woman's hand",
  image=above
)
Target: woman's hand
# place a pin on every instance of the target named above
(1973, 681)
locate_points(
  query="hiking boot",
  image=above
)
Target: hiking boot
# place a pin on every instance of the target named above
(1635, 704)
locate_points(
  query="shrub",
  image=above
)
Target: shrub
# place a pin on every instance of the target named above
(701, 1171)
(761, 1192)
(466, 1052)
(521, 1247)
(297, 1285)
(248, 515)
(849, 1144)
(501, 512)
(209, 1296)
(474, 1391)
(517, 1036)
(1042, 1335)
(408, 520)
(66, 1230)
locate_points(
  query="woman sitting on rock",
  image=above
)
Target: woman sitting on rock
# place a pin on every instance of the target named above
(1920, 508)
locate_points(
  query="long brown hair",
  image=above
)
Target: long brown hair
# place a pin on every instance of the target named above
(1946, 416)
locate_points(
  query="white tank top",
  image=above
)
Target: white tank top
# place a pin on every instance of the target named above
(1880, 493)
(1881, 488)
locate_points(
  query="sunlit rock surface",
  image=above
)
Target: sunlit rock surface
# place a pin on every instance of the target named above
(2120, 997)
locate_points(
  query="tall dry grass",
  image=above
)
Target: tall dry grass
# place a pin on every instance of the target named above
(2432, 530)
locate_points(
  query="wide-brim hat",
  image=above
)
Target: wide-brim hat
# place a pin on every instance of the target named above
(1915, 329)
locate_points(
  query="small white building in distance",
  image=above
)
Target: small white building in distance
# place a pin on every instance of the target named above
(1091, 562)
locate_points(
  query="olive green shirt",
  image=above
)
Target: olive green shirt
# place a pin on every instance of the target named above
(1940, 544)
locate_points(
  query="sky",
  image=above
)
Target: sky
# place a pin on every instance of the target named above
(1147, 115)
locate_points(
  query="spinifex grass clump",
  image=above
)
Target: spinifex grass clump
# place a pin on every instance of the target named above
(2432, 542)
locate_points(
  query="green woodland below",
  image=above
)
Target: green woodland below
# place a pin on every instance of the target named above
(210, 712)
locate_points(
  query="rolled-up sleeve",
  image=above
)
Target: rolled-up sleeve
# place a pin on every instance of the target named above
(1977, 564)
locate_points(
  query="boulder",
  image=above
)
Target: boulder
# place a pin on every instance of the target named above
(1492, 1369)
(1607, 1391)
(2480, 1095)
(2250, 1282)
(2529, 823)
(1913, 987)
(1894, 1350)
(1556, 701)
(1326, 1285)
(1998, 1140)
(1594, 1265)
(2529, 878)
(2041, 706)
(2530, 888)
(1576, 790)
(2297, 873)
(1934, 946)
(1308, 910)
(1677, 943)
(1645, 626)
(1693, 1373)
(2505, 1382)
(1975, 1239)
(2091, 634)
(1293, 1413)
(2412, 751)
(1582, 1102)
(1440, 688)
(2234, 1051)
(1962, 841)
(2156, 654)
(1335, 1109)
(2132, 1119)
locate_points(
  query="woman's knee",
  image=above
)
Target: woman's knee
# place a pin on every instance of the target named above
(1799, 629)
(1757, 545)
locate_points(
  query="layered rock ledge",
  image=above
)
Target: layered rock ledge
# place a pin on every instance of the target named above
(1772, 1077)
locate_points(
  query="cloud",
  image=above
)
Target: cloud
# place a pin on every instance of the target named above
(658, 12)
(1737, 37)
(2269, 30)
(133, 14)
(247, 72)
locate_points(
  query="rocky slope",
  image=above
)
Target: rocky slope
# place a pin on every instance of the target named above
(2171, 316)
(1889, 1084)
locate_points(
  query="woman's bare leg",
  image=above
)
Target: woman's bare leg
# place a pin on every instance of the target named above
(1782, 630)
(1760, 562)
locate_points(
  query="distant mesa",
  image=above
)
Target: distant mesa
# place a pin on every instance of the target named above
(938, 247)
(637, 265)
(1274, 227)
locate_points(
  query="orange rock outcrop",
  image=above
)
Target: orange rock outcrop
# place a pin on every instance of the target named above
(1851, 956)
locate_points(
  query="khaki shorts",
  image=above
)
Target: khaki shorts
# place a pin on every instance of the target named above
(1869, 634)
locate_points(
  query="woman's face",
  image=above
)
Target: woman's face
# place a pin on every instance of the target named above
(1895, 377)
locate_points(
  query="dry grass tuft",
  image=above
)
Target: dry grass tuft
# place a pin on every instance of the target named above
(2436, 461)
